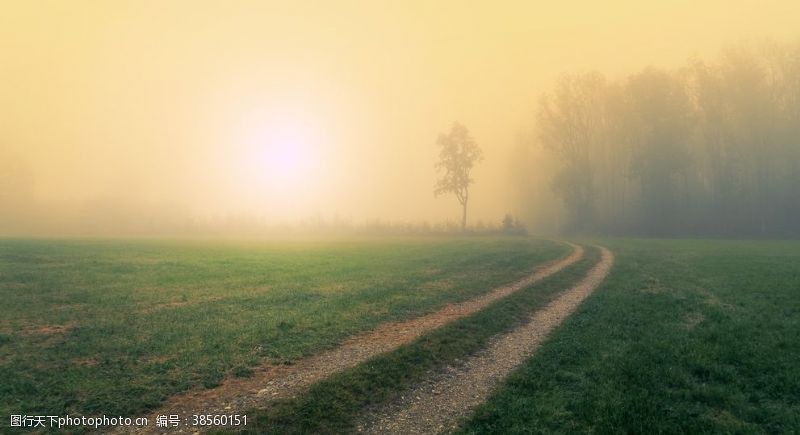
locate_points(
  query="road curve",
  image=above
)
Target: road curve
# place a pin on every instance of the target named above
(270, 382)
(437, 404)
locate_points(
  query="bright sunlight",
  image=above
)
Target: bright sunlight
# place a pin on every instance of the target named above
(280, 157)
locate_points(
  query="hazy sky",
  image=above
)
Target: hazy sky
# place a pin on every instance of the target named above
(293, 108)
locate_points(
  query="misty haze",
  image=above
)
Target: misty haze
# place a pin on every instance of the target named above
(413, 217)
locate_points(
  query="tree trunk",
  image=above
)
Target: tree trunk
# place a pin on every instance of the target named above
(464, 218)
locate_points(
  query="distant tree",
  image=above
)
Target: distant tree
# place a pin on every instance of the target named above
(660, 161)
(569, 124)
(713, 148)
(508, 223)
(457, 155)
(512, 225)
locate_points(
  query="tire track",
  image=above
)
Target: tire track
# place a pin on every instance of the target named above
(270, 381)
(437, 404)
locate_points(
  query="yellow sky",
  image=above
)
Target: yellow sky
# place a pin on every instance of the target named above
(294, 108)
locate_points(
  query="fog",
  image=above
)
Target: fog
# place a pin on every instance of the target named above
(154, 117)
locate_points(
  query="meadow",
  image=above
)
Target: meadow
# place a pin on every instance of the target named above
(335, 405)
(115, 326)
(685, 336)
(688, 336)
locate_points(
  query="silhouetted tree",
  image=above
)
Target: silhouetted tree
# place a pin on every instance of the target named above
(660, 160)
(457, 155)
(568, 126)
(713, 148)
(508, 223)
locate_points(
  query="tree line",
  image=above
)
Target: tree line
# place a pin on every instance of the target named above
(711, 148)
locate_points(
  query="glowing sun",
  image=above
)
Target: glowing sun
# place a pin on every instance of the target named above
(281, 156)
(287, 155)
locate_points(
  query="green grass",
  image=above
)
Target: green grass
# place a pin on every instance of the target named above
(145, 319)
(333, 405)
(685, 336)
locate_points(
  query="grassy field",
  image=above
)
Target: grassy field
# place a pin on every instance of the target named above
(113, 326)
(684, 337)
(334, 404)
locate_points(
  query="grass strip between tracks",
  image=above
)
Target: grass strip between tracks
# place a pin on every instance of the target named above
(333, 404)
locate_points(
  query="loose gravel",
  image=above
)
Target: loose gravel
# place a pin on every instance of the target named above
(270, 381)
(438, 404)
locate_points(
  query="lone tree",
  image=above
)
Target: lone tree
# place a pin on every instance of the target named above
(457, 156)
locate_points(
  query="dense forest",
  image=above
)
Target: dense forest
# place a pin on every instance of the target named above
(712, 148)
